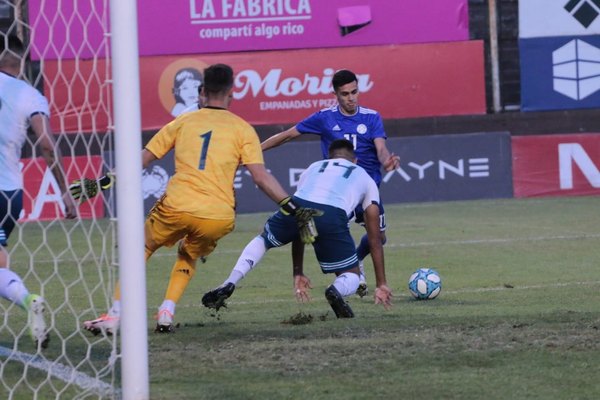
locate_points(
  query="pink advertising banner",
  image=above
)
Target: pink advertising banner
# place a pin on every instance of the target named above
(214, 26)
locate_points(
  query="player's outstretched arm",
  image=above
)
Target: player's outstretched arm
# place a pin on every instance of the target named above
(271, 187)
(147, 158)
(390, 161)
(267, 182)
(383, 294)
(280, 138)
(41, 127)
(87, 188)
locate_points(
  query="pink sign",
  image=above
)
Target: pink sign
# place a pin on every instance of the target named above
(213, 26)
(63, 29)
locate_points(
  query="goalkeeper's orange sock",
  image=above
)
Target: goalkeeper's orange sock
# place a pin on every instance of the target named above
(182, 273)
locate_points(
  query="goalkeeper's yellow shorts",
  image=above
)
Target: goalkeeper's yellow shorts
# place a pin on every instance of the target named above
(165, 227)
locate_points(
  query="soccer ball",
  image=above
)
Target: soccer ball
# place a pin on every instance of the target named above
(425, 284)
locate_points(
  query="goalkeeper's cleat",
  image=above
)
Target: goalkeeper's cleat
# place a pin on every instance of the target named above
(107, 324)
(35, 306)
(216, 298)
(337, 303)
(164, 322)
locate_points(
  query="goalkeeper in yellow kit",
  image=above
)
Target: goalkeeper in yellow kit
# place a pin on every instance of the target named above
(198, 207)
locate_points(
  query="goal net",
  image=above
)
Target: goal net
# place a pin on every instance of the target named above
(71, 263)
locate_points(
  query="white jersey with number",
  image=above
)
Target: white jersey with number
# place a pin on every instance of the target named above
(19, 101)
(339, 183)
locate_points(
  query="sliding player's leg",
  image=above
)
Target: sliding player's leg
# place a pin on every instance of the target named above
(279, 230)
(336, 253)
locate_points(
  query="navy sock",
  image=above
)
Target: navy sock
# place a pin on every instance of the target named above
(363, 249)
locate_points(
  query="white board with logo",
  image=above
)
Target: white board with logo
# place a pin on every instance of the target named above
(542, 18)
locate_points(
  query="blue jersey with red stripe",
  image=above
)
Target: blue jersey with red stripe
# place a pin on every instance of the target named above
(361, 129)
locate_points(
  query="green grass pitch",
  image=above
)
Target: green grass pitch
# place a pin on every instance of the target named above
(518, 316)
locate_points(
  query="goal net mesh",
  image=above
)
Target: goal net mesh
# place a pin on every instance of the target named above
(71, 263)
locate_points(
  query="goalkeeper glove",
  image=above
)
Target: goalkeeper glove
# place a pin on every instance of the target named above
(88, 188)
(304, 218)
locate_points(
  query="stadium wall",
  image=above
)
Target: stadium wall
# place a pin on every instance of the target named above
(469, 166)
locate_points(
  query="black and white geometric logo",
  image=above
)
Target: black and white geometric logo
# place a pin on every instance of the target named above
(584, 11)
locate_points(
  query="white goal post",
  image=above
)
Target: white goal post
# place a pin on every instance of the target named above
(83, 56)
(127, 117)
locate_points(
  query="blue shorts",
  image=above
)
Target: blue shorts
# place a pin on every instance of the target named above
(359, 216)
(11, 204)
(334, 247)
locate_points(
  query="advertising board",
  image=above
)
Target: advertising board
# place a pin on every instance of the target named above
(556, 165)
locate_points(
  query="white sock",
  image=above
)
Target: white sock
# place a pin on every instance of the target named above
(115, 310)
(12, 287)
(346, 283)
(361, 267)
(168, 305)
(250, 257)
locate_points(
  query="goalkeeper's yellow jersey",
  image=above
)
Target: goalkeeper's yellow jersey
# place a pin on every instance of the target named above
(209, 145)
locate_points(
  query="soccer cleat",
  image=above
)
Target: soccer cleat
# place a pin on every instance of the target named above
(337, 303)
(164, 322)
(109, 324)
(363, 289)
(216, 298)
(35, 306)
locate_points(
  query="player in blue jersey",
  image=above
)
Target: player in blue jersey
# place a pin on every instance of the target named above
(361, 126)
(336, 186)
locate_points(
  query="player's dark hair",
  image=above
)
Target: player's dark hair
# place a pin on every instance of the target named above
(11, 44)
(218, 78)
(341, 146)
(343, 77)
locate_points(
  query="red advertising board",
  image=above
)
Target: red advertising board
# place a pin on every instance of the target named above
(79, 94)
(286, 86)
(279, 87)
(42, 198)
(556, 165)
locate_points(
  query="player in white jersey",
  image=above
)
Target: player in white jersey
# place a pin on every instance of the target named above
(22, 107)
(336, 186)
